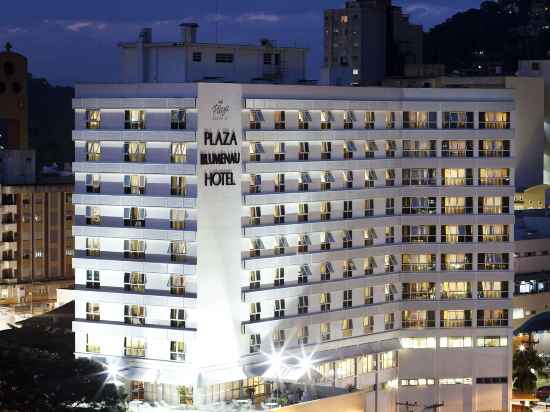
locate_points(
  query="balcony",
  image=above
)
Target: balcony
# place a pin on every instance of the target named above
(492, 294)
(418, 267)
(417, 323)
(455, 323)
(455, 295)
(492, 323)
(422, 295)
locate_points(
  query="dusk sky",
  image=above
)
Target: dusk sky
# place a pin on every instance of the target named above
(70, 41)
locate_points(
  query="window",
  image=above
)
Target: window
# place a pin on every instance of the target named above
(326, 180)
(417, 319)
(134, 185)
(418, 234)
(369, 207)
(303, 335)
(419, 177)
(279, 311)
(304, 118)
(325, 332)
(455, 319)
(326, 240)
(389, 292)
(418, 343)
(280, 122)
(368, 236)
(458, 120)
(178, 119)
(326, 269)
(134, 281)
(93, 119)
(457, 148)
(456, 205)
(494, 120)
(255, 184)
(303, 304)
(493, 205)
(456, 233)
(347, 299)
(326, 150)
(256, 245)
(93, 184)
(254, 343)
(492, 318)
(177, 285)
(494, 148)
(92, 344)
(303, 274)
(197, 57)
(255, 312)
(389, 263)
(178, 153)
(324, 300)
(389, 321)
(457, 177)
(279, 279)
(279, 214)
(347, 239)
(178, 186)
(255, 279)
(456, 261)
(370, 178)
(347, 328)
(492, 261)
(303, 212)
(134, 119)
(390, 120)
(492, 289)
(455, 342)
(303, 243)
(368, 324)
(492, 233)
(494, 177)
(255, 215)
(177, 318)
(278, 337)
(349, 118)
(304, 151)
(370, 149)
(177, 351)
(135, 347)
(224, 57)
(492, 341)
(134, 216)
(134, 249)
(134, 152)
(178, 250)
(390, 148)
(369, 120)
(348, 209)
(418, 205)
(451, 290)
(93, 151)
(419, 148)
(390, 206)
(92, 247)
(93, 215)
(419, 291)
(418, 263)
(389, 175)
(368, 266)
(326, 120)
(349, 149)
(92, 311)
(347, 269)
(134, 315)
(389, 232)
(177, 218)
(279, 183)
(255, 120)
(419, 120)
(92, 279)
(303, 182)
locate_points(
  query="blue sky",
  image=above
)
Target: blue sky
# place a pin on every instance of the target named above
(70, 41)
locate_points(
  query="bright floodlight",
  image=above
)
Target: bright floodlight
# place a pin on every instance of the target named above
(276, 362)
(521, 348)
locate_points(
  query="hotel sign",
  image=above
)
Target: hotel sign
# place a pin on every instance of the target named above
(220, 139)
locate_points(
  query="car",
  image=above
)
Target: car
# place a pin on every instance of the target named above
(543, 392)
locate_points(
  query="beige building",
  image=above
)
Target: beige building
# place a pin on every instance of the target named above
(536, 197)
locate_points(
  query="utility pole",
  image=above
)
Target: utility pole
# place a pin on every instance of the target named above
(434, 407)
(408, 405)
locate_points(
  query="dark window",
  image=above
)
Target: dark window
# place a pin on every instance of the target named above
(267, 58)
(197, 56)
(9, 69)
(224, 57)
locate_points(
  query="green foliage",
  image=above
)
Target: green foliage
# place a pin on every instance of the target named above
(524, 363)
(35, 380)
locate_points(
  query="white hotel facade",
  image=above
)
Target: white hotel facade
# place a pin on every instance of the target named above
(370, 229)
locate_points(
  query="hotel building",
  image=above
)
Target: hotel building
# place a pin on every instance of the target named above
(223, 230)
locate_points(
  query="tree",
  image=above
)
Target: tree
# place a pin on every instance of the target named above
(35, 380)
(526, 365)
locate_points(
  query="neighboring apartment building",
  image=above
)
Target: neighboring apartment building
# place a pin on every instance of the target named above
(367, 41)
(35, 212)
(190, 61)
(530, 97)
(363, 233)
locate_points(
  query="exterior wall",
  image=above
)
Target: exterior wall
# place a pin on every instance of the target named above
(219, 233)
(37, 244)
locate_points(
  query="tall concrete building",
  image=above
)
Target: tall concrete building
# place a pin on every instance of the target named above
(230, 238)
(367, 41)
(35, 212)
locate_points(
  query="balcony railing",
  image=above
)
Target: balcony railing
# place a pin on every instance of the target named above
(492, 294)
(492, 323)
(455, 323)
(418, 267)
